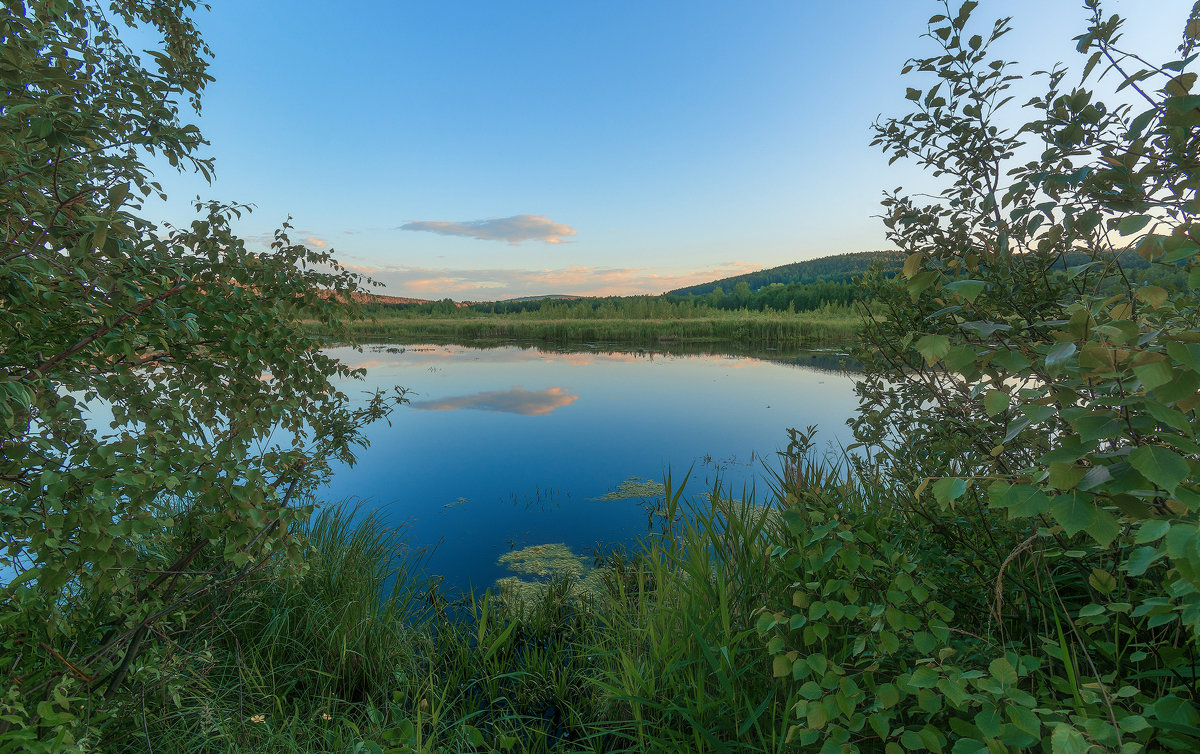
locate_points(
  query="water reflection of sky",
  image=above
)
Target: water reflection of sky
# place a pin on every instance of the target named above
(515, 400)
(507, 447)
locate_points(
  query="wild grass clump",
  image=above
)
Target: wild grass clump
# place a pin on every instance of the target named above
(297, 652)
(681, 661)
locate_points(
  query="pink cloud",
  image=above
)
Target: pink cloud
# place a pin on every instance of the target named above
(515, 400)
(513, 229)
(580, 280)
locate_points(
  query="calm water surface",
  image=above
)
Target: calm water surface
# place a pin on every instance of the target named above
(504, 448)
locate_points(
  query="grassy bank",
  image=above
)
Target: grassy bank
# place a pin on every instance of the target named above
(855, 608)
(757, 328)
(356, 652)
(832, 614)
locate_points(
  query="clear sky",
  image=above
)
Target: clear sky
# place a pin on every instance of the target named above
(483, 150)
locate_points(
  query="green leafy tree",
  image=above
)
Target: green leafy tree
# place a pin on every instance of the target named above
(161, 410)
(1032, 577)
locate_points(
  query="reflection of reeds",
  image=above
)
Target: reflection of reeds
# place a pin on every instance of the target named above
(541, 499)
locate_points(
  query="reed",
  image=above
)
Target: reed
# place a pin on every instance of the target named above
(758, 328)
(358, 651)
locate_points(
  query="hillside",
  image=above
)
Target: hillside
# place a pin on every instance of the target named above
(839, 268)
(364, 297)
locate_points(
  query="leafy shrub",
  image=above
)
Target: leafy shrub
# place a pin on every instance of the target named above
(1026, 568)
(116, 536)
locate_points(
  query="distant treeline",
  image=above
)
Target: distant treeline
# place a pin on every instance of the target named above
(815, 297)
(826, 285)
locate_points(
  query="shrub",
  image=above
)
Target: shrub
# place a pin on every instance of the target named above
(1029, 573)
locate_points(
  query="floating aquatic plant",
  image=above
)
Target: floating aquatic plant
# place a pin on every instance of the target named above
(548, 561)
(549, 564)
(635, 487)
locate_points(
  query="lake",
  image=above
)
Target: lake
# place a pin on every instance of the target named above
(503, 448)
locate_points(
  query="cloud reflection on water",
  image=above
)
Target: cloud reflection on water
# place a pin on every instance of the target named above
(515, 400)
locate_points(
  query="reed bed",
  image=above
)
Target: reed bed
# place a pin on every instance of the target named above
(756, 328)
(358, 651)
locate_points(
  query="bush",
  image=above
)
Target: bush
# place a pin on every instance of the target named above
(115, 537)
(1026, 572)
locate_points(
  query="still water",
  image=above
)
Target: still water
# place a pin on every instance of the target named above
(507, 447)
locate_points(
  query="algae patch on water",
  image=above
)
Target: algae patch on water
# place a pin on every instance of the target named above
(548, 561)
(635, 487)
(553, 567)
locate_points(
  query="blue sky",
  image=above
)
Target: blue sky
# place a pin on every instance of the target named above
(484, 150)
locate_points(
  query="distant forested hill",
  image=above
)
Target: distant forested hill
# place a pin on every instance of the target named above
(840, 268)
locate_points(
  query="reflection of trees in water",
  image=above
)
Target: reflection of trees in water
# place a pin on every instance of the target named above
(826, 361)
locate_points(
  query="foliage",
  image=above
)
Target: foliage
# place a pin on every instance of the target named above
(159, 409)
(1030, 578)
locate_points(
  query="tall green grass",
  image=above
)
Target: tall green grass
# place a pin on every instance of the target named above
(355, 651)
(681, 662)
(296, 658)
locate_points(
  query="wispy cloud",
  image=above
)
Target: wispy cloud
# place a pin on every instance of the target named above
(265, 240)
(513, 229)
(493, 284)
(515, 400)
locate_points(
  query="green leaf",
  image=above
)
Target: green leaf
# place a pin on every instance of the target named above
(1097, 426)
(1074, 514)
(1154, 374)
(923, 678)
(1058, 357)
(1067, 740)
(1151, 531)
(1002, 670)
(1102, 581)
(1132, 224)
(921, 281)
(960, 359)
(1153, 295)
(1150, 248)
(912, 264)
(949, 489)
(995, 402)
(1064, 476)
(1140, 560)
(1159, 465)
(969, 746)
(1170, 417)
(1187, 354)
(888, 695)
(933, 348)
(781, 666)
(1021, 500)
(967, 289)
